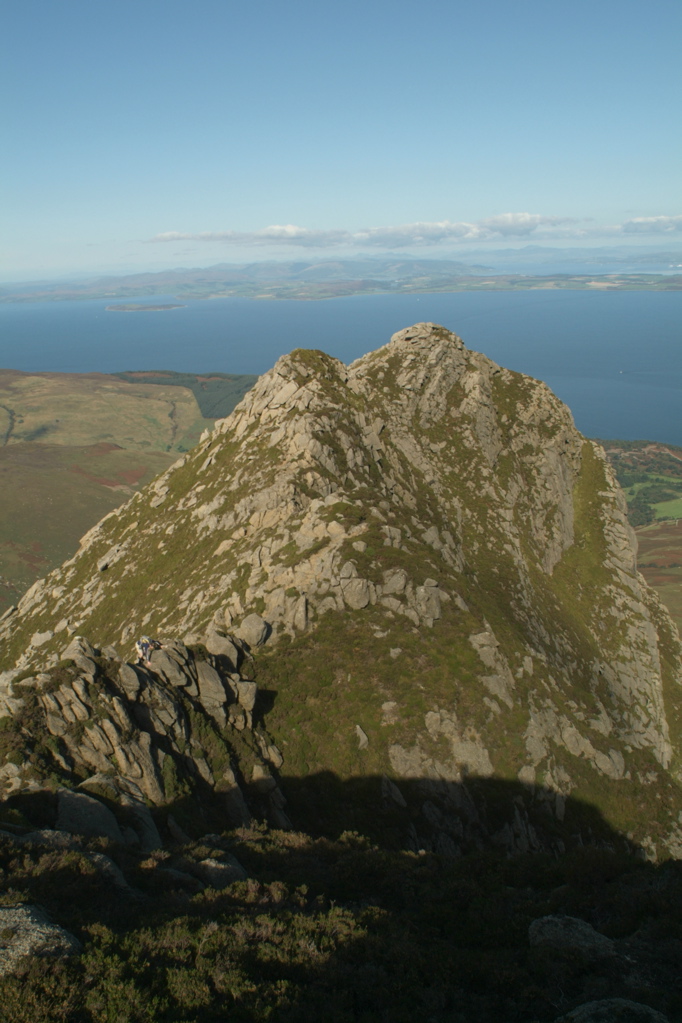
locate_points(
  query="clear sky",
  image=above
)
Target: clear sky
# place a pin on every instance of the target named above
(160, 133)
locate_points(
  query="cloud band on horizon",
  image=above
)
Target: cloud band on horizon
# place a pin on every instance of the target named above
(506, 225)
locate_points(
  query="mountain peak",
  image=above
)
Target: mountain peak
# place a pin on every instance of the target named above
(424, 562)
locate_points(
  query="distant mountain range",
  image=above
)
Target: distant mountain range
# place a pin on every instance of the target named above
(530, 267)
(604, 260)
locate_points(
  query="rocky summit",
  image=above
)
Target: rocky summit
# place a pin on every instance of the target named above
(399, 596)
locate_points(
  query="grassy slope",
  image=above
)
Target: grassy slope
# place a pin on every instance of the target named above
(323, 688)
(52, 495)
(75, 446)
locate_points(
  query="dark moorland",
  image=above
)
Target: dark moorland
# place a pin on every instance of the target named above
(341, 926)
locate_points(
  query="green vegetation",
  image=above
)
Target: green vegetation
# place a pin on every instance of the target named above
(52, 495)
(75, 446)
(325, 688)
(339, 929)
(651, 477)
(216, 393)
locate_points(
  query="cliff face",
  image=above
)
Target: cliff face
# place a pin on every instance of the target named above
(428, 569)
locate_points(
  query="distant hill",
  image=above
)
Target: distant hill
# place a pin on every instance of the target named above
(247, 279)
(321, 279)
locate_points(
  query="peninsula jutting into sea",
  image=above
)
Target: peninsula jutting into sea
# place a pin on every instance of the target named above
(140, 307)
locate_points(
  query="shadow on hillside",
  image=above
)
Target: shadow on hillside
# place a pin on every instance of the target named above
(387, 902)
(448, 818)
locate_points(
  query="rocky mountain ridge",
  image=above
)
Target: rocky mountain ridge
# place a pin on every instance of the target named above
(427, 567)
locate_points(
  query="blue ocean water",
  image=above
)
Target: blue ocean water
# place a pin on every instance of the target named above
(614, 357)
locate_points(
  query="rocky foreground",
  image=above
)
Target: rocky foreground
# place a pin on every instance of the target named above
(140, 735)
(397, 599)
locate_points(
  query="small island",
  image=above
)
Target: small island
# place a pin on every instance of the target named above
(138, 307)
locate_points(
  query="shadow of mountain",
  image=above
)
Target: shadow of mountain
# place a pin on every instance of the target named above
(365, 914)
(447, 817)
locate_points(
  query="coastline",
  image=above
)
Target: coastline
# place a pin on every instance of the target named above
(307, 291)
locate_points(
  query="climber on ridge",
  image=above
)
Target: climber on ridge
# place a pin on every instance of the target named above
(144, 647)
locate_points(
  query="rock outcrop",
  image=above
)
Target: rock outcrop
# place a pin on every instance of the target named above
(613, 1010)
(424, 562)
(26, 931)
(134, 736)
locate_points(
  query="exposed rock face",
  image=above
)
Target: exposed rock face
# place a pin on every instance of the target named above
(613, 1010)
(220, 873)
(83, 815)
(27, 931)
(130, 734)
(569, 936)
(426, 506)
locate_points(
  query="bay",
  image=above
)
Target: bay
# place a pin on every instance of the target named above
(614, 357)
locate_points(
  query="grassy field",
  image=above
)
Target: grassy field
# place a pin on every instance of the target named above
(660, 562)
(669, 509)
(73, 446)
(651, 477)
(90, 408)
(52, 495)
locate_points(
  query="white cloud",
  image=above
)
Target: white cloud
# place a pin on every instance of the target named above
(426, 234)
(653, 225)
(419, 234)
(286, 234)
(508, 224)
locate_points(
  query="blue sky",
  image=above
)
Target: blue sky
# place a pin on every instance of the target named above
(163, 133)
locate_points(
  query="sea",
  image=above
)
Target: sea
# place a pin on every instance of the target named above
(614, 357)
